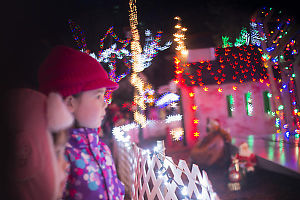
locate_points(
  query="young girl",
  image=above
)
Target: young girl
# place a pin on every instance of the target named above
(82, 81)
(39, 170)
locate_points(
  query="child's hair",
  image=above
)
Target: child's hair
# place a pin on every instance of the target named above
(60, 137)
(77, 95)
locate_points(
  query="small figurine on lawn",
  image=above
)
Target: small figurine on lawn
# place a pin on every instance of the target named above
(246, 158)
(242, 168)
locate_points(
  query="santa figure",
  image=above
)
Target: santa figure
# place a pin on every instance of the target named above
(242, 166)
(246, 158)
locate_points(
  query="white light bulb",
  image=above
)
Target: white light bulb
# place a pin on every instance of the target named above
(184, 191)
(156, 149)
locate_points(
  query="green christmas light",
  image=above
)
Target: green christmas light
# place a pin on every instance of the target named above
(266, 56)
(281, 107)
(269, 94)
(296, 110)
(273, 114)
(293, 75)
(226, 43)
(243, 39)
(277, 122)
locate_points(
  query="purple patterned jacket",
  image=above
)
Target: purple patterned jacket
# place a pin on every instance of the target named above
(92, 172)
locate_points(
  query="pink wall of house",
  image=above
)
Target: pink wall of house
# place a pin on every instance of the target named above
(213, 104)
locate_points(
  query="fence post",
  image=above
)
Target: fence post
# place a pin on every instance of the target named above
(161, 147)
(162, 150)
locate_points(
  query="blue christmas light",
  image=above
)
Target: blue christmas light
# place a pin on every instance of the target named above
(167, 99)
(287, 134)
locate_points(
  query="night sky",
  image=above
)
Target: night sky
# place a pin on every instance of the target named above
(31, 28)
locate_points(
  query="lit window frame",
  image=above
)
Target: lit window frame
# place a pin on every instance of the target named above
(230, 105)
(249, 104)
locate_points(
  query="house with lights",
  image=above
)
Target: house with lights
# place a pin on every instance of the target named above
(227, 84)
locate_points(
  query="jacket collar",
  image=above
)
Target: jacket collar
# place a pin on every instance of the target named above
(82, 137)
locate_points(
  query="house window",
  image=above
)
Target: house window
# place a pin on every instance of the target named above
(267, 107)
(230, 104)
(249, 104)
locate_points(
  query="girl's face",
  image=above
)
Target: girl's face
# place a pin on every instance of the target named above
(89, 108)
(62, 164)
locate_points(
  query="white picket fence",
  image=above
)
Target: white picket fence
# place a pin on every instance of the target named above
(144, 179)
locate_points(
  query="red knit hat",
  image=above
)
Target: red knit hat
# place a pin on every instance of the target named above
(69, 71)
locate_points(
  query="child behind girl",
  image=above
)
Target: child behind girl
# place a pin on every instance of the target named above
(39, 170)
(82, 82)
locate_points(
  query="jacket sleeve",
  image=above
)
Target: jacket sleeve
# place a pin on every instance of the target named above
(119, 189)
(66, 194)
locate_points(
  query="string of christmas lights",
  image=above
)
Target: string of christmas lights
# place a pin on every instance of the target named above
(136, 50)
(140, 61)
(173, 118)
(107, 56)
(111, 32)
(163, 174)
(180, 66)
(110, 56)
(193, 109)
(268, 29)
(166, 99)
(78, 35)
(245, 38)
(235, 64)
(275, 27)
(288, 87)
(179, 37)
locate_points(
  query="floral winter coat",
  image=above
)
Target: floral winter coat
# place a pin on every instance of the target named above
(92, 172)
